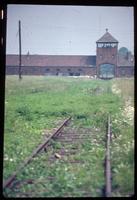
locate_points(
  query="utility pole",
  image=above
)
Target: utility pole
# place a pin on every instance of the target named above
(20, 73)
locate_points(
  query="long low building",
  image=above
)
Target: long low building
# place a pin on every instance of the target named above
(107, 63)
(52, 65)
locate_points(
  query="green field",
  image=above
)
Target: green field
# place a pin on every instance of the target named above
(36, 105)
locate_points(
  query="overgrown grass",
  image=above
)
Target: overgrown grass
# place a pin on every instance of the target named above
(37, 103)
(126, 85)
(122, 149)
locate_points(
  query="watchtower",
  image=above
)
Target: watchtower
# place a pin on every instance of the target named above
(106, 56)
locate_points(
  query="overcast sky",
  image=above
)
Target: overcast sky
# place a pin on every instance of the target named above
(67, 30)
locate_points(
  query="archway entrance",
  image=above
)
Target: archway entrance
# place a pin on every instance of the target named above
(106, 71)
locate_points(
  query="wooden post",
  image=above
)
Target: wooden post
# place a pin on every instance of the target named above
(20, 73)
(108, 164)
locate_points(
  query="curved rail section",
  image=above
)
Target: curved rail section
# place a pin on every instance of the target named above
(8, 182)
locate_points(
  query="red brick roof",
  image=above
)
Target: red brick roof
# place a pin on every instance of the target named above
(51, 60)
(107, 37)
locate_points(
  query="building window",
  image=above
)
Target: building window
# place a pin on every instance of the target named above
(69, 70)
(77, 74)
(100, 56)
(70, 74)
(106, 45)
(47, 70)
(80, 70)
(100, 45)
(123, 72)
(113, 45)
(58, 70)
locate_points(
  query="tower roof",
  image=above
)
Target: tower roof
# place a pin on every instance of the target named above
(107, 37)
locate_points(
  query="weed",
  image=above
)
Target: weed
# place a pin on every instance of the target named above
(38, 103)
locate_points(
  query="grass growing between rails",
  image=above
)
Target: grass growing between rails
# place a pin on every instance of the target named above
(61, 178)
(37, 104)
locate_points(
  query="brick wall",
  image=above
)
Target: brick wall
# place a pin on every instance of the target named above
(13, 70)
(68, 71)
(125, 71)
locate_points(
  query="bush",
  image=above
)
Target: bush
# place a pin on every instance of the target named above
(25, 112)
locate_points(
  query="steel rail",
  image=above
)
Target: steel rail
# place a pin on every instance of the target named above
(108, 162)
(8, 182)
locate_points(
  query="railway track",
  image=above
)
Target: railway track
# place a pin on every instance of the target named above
(35, 152)
(64, 146)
